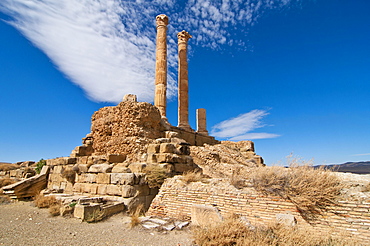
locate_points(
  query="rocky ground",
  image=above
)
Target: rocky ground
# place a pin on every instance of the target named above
(23, 224)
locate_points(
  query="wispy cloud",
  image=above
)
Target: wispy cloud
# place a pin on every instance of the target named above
(108, 47)
(240, 127)
(361, 154)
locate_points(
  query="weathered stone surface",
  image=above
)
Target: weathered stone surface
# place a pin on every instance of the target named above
(81, 168)
(167, 166)
(115, 158)
(84, 212)
(171, 134)
(167, 148)
(151, 158)
(122, 178)
(86, 178)
(153, 148)
(121, 168)
(286, 219)
(103, 178)
(100, 168)
(181, 168)
(168, 158)
(114, 190)
(137, 167)
(129, 98)
(202, 215)
(128, 191)
(102, 189)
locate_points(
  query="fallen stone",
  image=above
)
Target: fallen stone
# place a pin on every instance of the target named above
(149, 225)
(286, 219)
(181, 224)
(202, 215)
(169, 227)
(158, 221)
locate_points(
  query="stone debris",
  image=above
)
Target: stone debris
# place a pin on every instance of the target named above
(165, 224)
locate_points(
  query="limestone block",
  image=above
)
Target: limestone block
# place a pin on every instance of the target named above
(90, 160)
(152, 158)
(167, 158)
(2, 173)
(171, 134)
(121, 168)
(140, 178)
(55, 177)
(81, 168)
(162, 140)
(82, 160)
(86, 187)
(87, 178)
(128, 191)
(68, 188)
(177, 140)
(122, 178)
(258, 159)
(103, 178)
(183, 149)
(167, 148)
(101, 168)
(129, 98)
(13, 173)
(202, 215)
(286, 219)
(181, 168)
(55, 186)
(99, 159)
(113, 209)
(27, 163)
(63, 185)
(168, 167)
(102, 189)
(45, 170)
(85, 212)
(114, 190)
(58, 169)
(71, 160)
(77, 187)
(137, 167)
(153, 148)
(188, 160)
(116, 158)
(142, 190)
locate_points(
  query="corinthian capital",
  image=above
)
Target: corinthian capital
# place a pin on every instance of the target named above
(161, 20)
(183, 37)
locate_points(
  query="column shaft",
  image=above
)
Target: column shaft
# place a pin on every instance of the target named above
(161, 64)
(183, 81)
(201, 121)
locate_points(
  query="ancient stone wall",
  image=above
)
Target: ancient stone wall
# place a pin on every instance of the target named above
(176, 199)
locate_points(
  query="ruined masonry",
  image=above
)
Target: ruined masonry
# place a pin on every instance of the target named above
(109, 167)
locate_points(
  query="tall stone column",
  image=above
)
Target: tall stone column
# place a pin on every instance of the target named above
(183, 110)
(161, 65)
(201, 121)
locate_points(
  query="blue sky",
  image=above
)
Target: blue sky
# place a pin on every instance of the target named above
(291, 75)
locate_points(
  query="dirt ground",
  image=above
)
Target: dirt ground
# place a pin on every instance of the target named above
(23, 224)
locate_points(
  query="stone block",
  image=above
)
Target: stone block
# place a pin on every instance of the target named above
(122, 178)
(142, 190)
(151, 158)
(71, 160)
(101, 168)
(103, 178)
(93, 189)
(77, 187)
(137, 167)
(153, 148)
(13, 173)
(286, 219)
(116, 158)
(82, 160)
(202, 215)
(102, 189)
(128, 191)
(114, 208)
(58, 169)
(181, 168)
(168, 167)
(166, 158)
(129, 98)
(80, 168)
(171, 134)
(183, 149)
(162, 140)
(121, 168)
(87, 178)
(167, 148)
(84, 212)
(114, 190)
(258, 159)
(68, 188)
(45, 170)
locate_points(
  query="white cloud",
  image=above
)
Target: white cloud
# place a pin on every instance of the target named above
(361, 154)
(240, 127)
(108, 47)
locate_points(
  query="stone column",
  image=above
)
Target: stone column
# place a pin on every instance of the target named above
(183, 113)
(161, 65)
(201, 121)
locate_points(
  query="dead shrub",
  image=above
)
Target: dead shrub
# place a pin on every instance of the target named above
(54, 209)
(135, 214)
(237, 178)
(6, 181)
(155, 175)
(311, 190)
(5, 199)
(193, 176)
(8, 167)
(69, 174)
(234, 232)
(45, 201)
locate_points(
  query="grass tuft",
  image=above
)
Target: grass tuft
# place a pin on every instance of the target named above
(69, 175)
(192, 176)
(45, 201)
(6, 181)
(155, 175)
(135, 214)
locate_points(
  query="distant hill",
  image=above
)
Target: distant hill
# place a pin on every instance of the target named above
(362, 167)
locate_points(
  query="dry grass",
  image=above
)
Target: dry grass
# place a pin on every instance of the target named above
(6, 181)
(69, 175)
(5, 199)
(8, 167)
(235, 232)
(135, 214)
(155, 175)
(193, 176)
(45, 201)
(237, 178)
(309, 189)
(54, 209)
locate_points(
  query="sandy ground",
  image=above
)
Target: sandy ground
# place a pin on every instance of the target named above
(23, 224)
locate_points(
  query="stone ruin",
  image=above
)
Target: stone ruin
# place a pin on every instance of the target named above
(125, 139)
